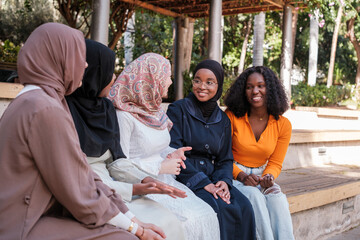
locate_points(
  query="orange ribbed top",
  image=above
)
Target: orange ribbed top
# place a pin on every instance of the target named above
(271, 147)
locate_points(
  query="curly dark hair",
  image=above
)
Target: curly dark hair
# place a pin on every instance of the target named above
(276, 98)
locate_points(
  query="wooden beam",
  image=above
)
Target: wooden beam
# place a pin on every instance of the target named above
(278, 3)
(153, 8)
(10, 90)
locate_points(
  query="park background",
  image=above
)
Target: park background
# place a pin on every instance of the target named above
(153, 32)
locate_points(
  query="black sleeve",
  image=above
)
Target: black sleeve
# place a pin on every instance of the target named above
(191, 177)
(224, 161)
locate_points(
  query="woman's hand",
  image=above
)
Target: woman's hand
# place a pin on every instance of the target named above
(267, 180)
(173, 161)
(248, 180)
(223, 191)
(218, 191)
(148, 231)
(150, 185)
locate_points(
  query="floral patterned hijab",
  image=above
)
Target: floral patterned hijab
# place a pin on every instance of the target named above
(139, 89)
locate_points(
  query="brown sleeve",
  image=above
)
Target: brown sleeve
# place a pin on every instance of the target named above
(55, 147)
(115, 198)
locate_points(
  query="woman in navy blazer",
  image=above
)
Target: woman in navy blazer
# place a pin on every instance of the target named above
(201, 124)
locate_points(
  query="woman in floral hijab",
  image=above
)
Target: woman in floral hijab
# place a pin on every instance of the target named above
(144, 136)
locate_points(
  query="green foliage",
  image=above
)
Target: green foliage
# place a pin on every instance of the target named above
(319, 95)
(153, 33)
(346, 59)
(18, 18)
(8, 51)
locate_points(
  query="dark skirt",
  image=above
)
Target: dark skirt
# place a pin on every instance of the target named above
(236, 219)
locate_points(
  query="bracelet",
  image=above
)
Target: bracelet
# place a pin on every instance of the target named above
(142, 232)
(131, 226)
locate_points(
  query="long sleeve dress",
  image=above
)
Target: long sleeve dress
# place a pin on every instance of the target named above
(210, 161)
(146, 148)
(144, 208)
(42, 168)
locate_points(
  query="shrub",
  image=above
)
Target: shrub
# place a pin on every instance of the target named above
(8, 51)
(319, 95)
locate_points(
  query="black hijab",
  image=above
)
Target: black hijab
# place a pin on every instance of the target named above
(208, 107)
(95, 117)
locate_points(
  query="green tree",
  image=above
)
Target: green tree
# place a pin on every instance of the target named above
(19, 18)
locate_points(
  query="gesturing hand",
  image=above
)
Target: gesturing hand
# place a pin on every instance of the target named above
(173, 161)
(150, 185)
(267, 180)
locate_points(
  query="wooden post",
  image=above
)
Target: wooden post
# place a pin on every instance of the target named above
(179, 58)
(100, 21)
(286, 55)
(215, 30)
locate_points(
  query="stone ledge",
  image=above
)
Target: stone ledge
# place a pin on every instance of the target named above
(307, 136)
(331, 112)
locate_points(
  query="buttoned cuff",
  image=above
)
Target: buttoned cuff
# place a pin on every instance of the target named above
(196, 179)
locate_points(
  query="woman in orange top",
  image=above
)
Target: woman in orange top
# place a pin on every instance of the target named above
(260, 138)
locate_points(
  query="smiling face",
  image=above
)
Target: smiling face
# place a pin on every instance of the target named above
(207, 87)
(256, 90)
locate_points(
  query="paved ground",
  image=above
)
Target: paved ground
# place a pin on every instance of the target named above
(353, 234)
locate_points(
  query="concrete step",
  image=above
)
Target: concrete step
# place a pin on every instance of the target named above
(352, 234)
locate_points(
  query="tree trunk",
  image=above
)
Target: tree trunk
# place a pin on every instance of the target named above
(355, 42)
(293, 26)
(313, 50)
(259, 34)
(205, 43)
(188, 45)
(244, 46)
(333, 47)
(129, 40)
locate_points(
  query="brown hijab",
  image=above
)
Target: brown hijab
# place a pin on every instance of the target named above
(54, 59)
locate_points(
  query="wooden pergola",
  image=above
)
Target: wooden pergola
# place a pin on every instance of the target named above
(201, 8)
(186, 11)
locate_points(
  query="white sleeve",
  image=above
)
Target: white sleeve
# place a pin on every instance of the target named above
(125, 169)
(122, 188)
(167, 151)
(123, 221)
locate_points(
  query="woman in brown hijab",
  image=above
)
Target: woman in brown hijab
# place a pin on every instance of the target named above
(47, 189)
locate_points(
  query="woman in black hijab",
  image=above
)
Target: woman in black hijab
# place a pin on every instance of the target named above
(200, 123)
(93, 113)
(98, 130)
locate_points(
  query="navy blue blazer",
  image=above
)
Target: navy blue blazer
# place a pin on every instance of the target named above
(210, 159)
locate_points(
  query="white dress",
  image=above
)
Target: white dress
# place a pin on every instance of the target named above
(145, 209)
(145, 149)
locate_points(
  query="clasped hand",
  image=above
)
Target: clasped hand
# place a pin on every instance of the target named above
(220, 189)
(253, 180)
(173, 161)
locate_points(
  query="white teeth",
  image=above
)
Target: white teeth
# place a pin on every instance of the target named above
(256, 98)
(202, 94)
